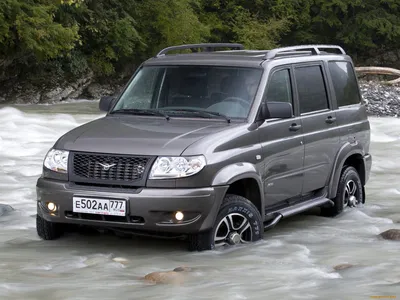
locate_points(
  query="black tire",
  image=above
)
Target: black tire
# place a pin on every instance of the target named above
(48, 230)
(242, 209)
(349, 174)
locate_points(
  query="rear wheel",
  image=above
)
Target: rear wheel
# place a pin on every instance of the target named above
(238, 222)
(350, 193)
(48, 230)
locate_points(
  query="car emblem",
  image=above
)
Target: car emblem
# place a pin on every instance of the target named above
(106, 167)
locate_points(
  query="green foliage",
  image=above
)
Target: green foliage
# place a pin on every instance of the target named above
(27, 27)
(170, 22)
(64, 38)
(358, 25)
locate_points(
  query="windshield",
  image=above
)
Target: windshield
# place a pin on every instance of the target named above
(187, 90)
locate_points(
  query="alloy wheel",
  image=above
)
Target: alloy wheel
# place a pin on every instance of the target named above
(233, 229)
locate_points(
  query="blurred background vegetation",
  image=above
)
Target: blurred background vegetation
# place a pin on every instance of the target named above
(43, 40)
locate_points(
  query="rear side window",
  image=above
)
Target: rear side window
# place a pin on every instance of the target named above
(311, 89)
(344, 83)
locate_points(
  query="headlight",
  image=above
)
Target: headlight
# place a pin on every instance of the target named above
(57, 161)
(176, 167)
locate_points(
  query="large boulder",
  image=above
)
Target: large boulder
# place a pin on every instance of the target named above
(391, 234)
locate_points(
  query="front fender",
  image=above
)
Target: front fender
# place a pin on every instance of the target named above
(345, 152)
(238, 171)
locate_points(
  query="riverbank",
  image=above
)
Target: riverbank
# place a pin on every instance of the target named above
(382, 100)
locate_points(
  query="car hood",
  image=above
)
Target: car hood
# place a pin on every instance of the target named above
(138, 135)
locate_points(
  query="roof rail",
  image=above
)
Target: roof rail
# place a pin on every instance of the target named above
(315, 50)
(208, 47)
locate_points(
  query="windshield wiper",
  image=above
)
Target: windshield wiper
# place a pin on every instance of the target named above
(138, 111)
(203, 113)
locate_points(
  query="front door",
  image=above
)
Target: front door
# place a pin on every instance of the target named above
(321, 134)
(282, 144)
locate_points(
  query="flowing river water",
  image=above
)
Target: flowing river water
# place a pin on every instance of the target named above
(295, 260)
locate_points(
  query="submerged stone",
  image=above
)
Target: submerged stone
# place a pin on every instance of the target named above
(4, 209)
(391, 234)
(168, 277)
(175, 276)
(342, 267)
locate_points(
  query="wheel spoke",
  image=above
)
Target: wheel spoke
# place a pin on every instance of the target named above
(242, 233)
(222, 238)
(232, 223)
(351, 188)
(243, 227)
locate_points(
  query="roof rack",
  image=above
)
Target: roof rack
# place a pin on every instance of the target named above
(209, 47)
(314, 49)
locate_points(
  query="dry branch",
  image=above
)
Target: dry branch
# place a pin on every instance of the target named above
(380, 71)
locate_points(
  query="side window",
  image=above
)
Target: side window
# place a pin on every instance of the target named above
(344, 83)
(311, 89)
(280, 87)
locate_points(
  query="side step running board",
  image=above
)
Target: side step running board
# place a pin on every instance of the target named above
(295, 209)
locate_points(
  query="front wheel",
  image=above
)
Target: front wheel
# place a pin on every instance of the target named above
(47, 230)
(238, 222)
(350, 193)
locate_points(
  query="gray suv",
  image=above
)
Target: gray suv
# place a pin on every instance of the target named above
(214, 147)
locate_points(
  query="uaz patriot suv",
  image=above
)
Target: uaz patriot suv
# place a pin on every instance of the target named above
(214, 147)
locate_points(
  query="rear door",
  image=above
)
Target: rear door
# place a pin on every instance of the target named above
(351, 114)
(282, 143)
(321, 135)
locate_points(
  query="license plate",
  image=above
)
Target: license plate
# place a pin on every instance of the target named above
(97, 206)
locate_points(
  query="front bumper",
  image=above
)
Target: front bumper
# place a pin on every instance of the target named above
(148, 209)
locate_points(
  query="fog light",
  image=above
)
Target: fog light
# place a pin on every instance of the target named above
(179, 216)
(51, 206)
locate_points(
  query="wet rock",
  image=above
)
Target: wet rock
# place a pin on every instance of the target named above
(58, 94)
(96, 91)
(80, 85)
(342, 267)
(176, 276)
(121, 260)
(168, 277)
(182, 269)
(4, 209)
(391, 234)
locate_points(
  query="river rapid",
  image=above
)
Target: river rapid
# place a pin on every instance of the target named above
(295, 260)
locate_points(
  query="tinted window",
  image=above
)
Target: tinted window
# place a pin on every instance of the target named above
(344, 83)
(175, 90)
(279, 87)
(311, 89)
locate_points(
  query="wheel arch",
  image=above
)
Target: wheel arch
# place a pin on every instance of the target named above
(243, 180)
(348, 155)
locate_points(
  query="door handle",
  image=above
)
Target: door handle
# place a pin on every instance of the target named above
(330, 120)
(294, 127)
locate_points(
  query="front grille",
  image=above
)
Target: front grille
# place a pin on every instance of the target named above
(111, 169)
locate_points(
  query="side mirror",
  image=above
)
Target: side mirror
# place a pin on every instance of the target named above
(105, 103)
(280, 110)
(272, 110)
